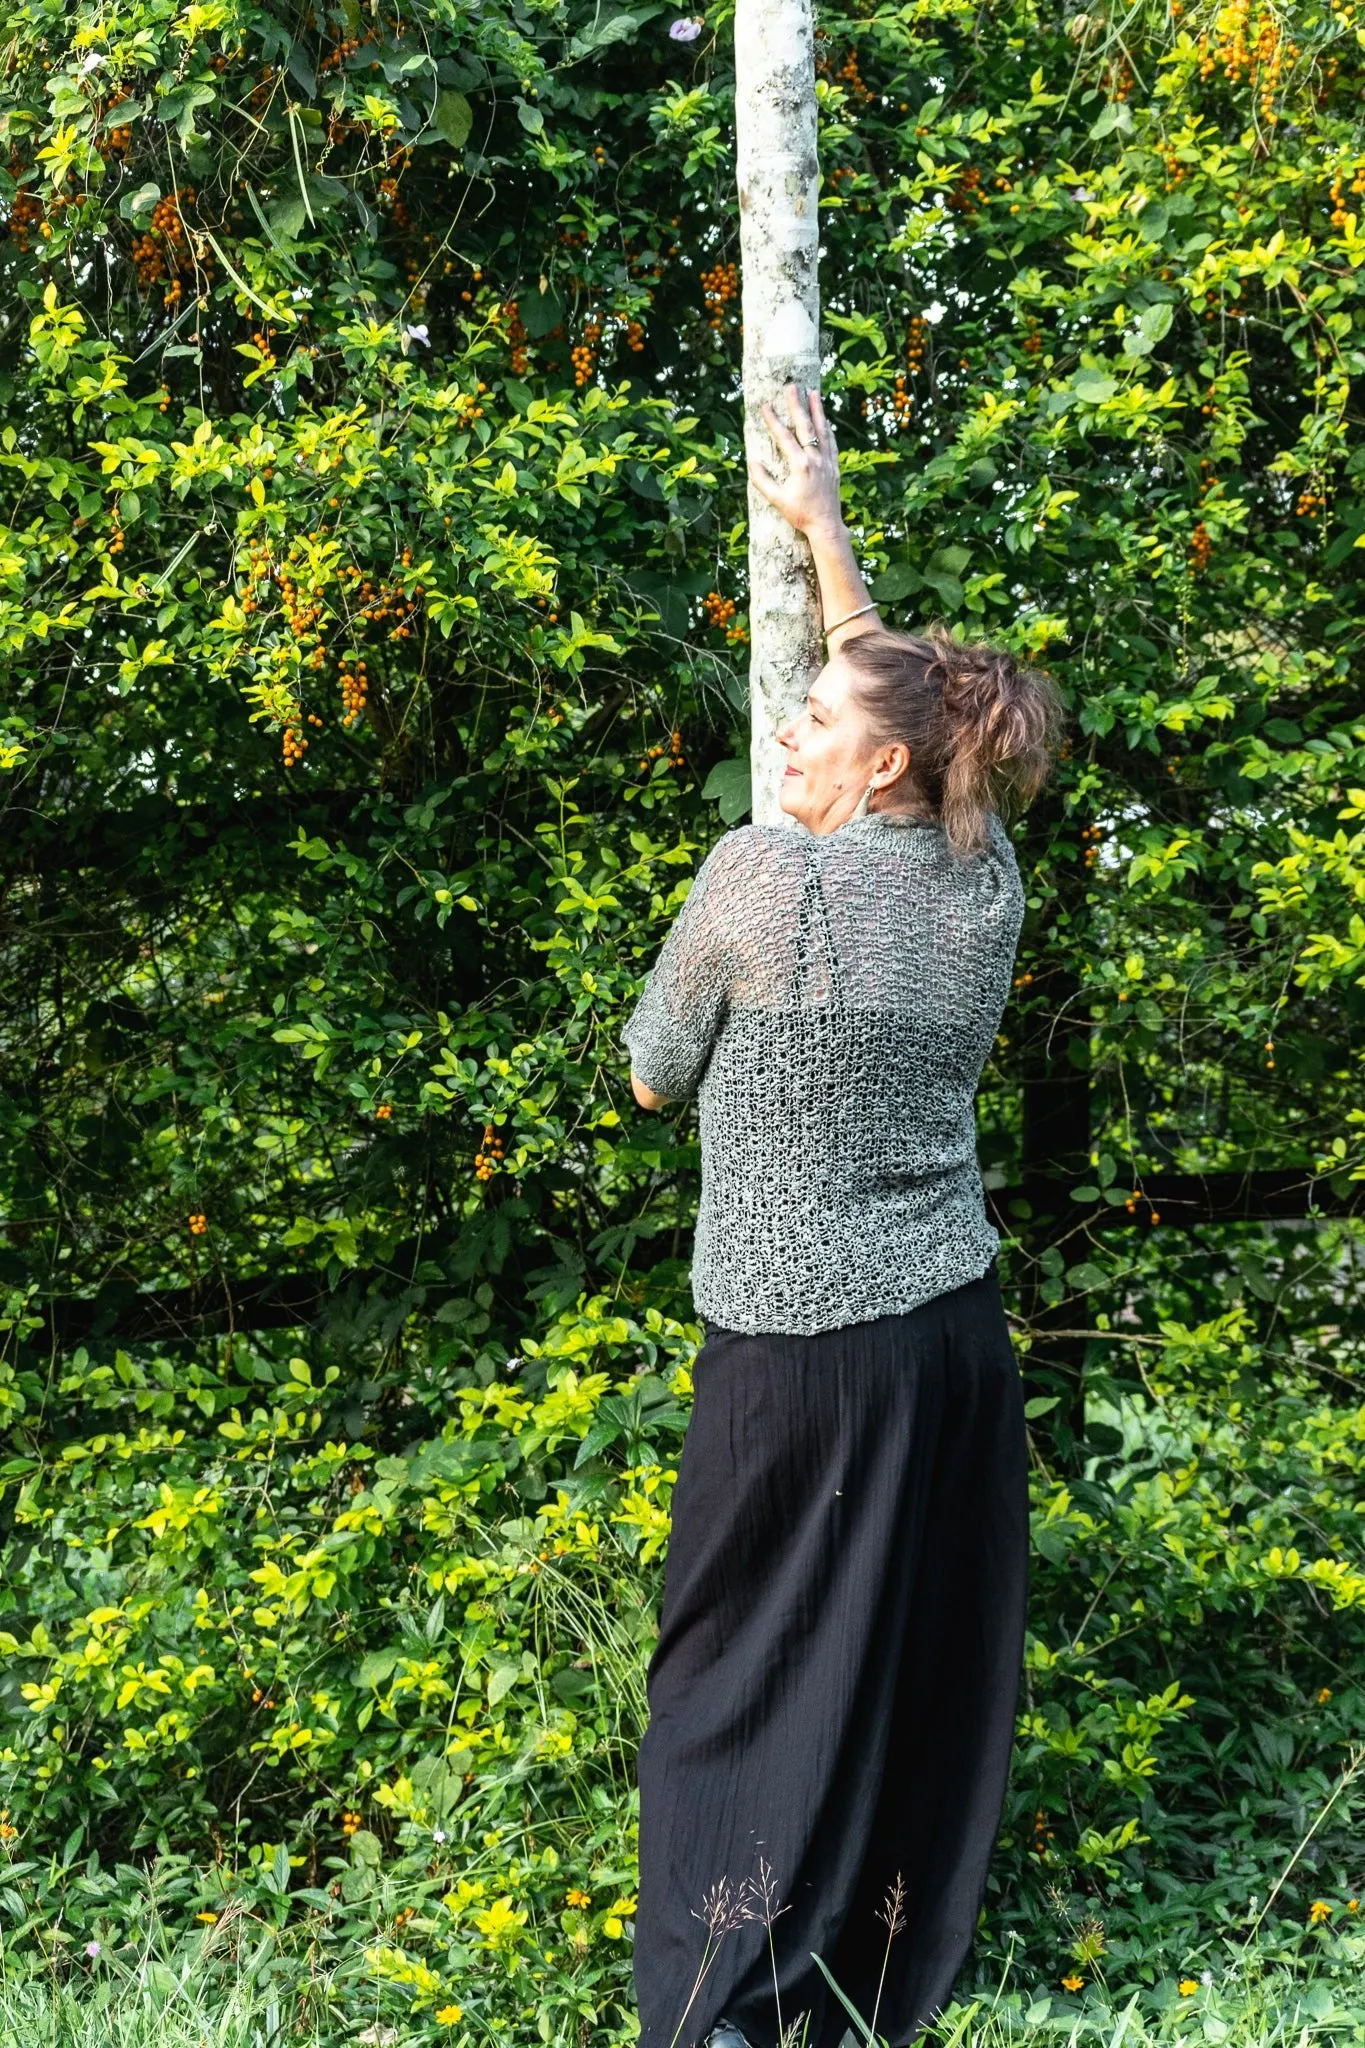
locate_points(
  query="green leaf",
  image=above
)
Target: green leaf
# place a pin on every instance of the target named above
(375, 1667)
(1092, 386)
(136, 206)
(948, 587)
(896, 582)
(1118, 114)
(286, 218)
(501, 1681)
(1041, 1404)
(616, 28)
(730, 785)
(531, 118)
(541, 312)
(1154, 326)
(452, 118)
(953, 559)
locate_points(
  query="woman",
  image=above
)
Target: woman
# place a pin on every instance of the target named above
(833, 1691)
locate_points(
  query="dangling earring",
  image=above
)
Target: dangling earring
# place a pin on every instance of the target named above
(861, 809)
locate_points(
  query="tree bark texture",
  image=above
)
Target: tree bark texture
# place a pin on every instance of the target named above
(779, 228)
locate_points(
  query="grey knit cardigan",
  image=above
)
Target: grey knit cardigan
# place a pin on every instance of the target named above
(832, 1001)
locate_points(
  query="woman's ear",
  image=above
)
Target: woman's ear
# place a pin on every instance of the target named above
(893, 764)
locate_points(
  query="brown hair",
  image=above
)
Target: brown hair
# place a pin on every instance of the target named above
(981, 730)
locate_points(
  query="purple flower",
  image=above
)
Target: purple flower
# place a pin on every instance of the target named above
(92, 1949)
(686, 29)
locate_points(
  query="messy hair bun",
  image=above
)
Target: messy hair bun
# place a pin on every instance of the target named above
(981, 730)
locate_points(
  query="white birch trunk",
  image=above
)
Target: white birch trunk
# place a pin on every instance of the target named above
(779, 229)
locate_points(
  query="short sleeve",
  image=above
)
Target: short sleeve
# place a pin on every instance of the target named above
(673, 1027)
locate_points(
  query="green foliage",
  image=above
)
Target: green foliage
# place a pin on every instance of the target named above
(371, 447)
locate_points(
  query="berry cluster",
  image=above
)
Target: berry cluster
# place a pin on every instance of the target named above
(1270, 1052)
(388, 195)
(916, 341)
(1022, 980)
(26, 213)
(1310, 503)
(355, 690)
(719, 610)
(302, 610)
(1257, 59)
(852, 77)
(293, 746)
(489, 1158)
(676, 756)
(465, 407)
(1090, 841)
(198, 1223)
(966, 195)
(1268, 58)
(1201, 549)
(1033, 340)
(902, 404)
(1341, 212)
(516, 339)
(719, 285)
(1042, 1834)
(350, 1823)
(389, 601)
(1153, 1215)
(345, 49)
(635, 335)
(383, 1110)
(165, 248)
(584, 353)
(262, 340)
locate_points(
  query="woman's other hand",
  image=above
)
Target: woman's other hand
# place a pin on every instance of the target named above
(808, 496)
(645, 1096)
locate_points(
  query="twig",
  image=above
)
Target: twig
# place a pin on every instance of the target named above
(1354, 1767)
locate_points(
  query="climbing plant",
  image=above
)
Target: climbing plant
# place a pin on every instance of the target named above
(373, 620)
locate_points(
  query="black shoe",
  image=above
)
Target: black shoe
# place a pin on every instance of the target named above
(725, 2035)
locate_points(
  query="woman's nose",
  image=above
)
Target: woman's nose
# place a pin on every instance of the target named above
(783, 735)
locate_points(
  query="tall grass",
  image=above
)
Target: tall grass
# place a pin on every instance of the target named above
(1260, 2006)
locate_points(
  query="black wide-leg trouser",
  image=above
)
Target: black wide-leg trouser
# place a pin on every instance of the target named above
(832, 1695)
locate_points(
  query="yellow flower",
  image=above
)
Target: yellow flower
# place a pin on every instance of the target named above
(450, 2016)
(1353, 1905)
(1319, 1911)
(501, 1924)
(1071, 1982)
(208, 1919)
(577, 1898)
(1324, 1694)
(1188, 1986)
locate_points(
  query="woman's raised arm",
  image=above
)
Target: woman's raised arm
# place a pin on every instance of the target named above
(808, 496)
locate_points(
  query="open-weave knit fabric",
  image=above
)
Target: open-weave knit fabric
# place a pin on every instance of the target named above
(832, 1001)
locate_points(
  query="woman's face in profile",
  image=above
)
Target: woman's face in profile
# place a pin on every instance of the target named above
(829, 758)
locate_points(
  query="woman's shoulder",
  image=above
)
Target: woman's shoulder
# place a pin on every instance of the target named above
(758, 850)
